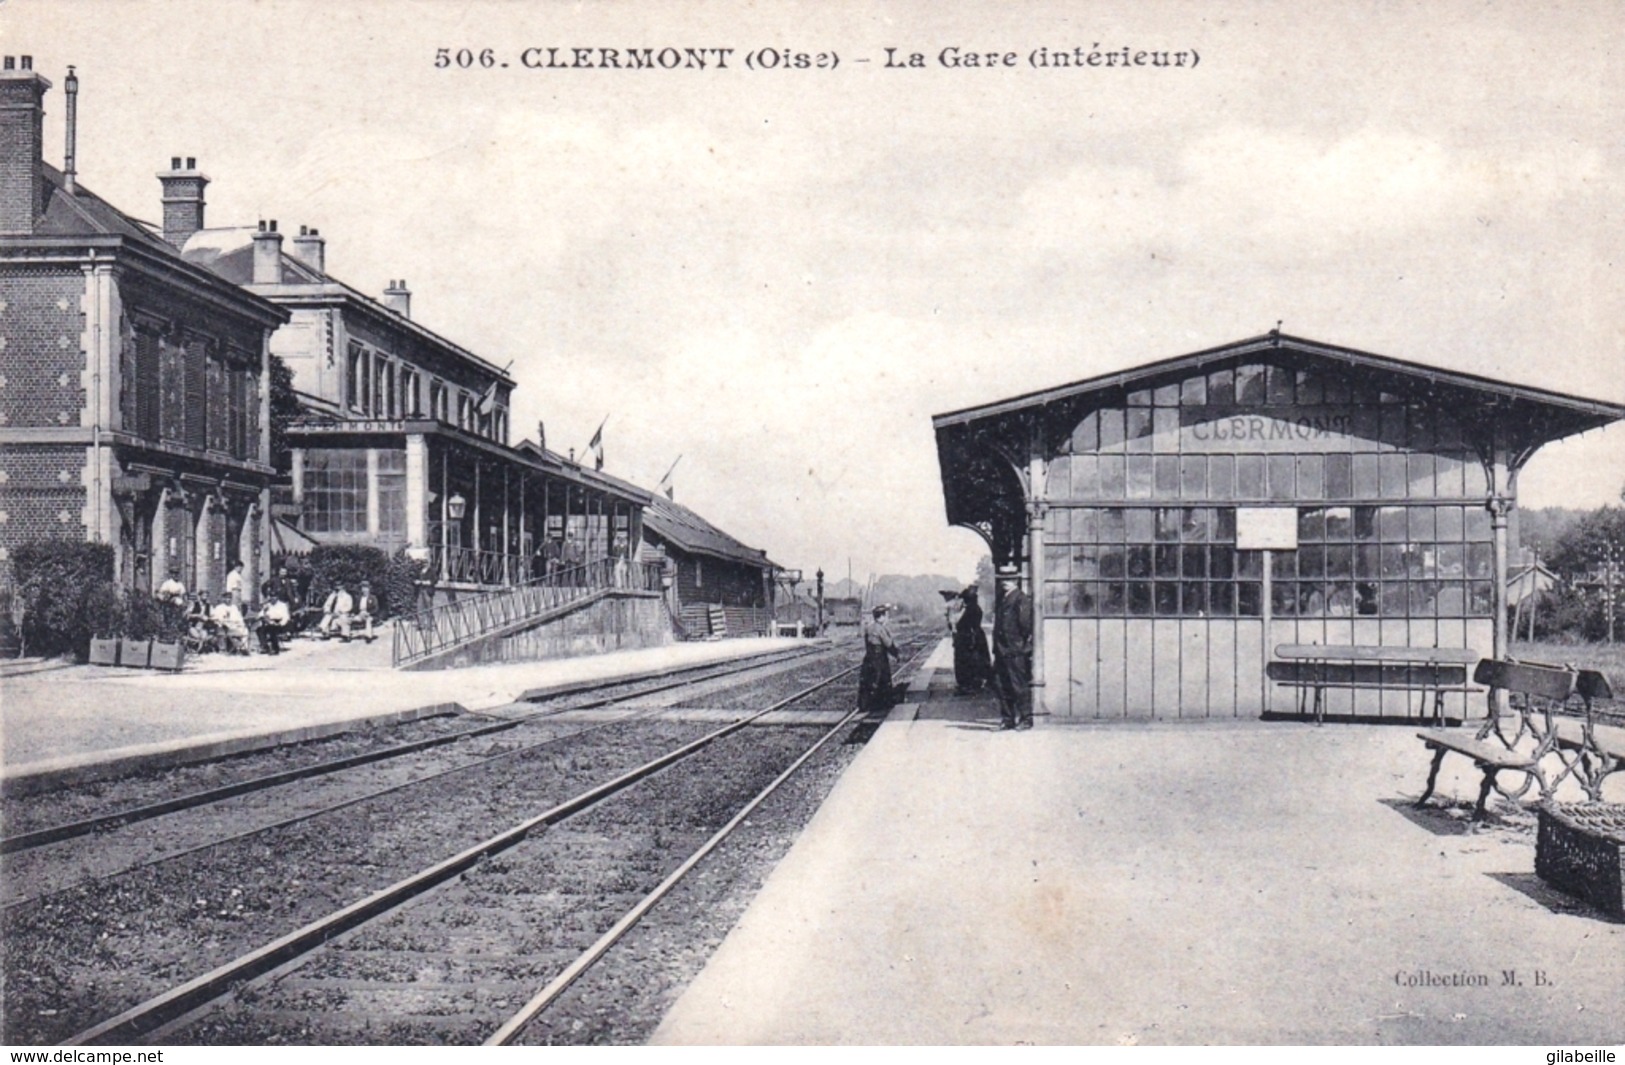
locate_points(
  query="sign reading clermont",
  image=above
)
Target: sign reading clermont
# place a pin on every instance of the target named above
(1177, 521)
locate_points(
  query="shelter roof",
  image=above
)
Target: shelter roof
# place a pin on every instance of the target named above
(676, 523)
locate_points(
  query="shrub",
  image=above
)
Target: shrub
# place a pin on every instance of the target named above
(393, 579)
(56, 583)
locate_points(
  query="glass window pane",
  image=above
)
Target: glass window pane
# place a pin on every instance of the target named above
(1085, 525)
(1391, 524)
(1365, 523)
(1113, 597)
(1394, 601)
(1311, 561)
(1447, 476)
(1248, 599)
(1085, 477)
(1284, 564)
(1279, 385)
(1393, 473)
(1111, 561)
(1224, 525)
(1057, 597)
(1420, 475)
(1449, 522)
(1339, 524)
(1140, 482)
(1340, 561)
(1311, 477)
(1339, 476)
(1284, 598)
(1112, 477)
(1166, 474)
(1167, 599)
(1111, 429)
(1166, 560)
(1366, 485)
(1193, 562)
(1478, 523)
(1165, 425)
(1058, 563)
(1140, 398)
(1221, 388)
(1475, 484)
(1423, 596)
(1365, 598)
(1249, 476)
(1452, 560)
(1196, 525)
(1420, 520)
(1222, 476)
(1250, 385)
(1193, 476)
(1282, 481)
(1139, 599)
(1480, 560)
(1451, 601)
(1481, 603)
(1249, 564)
(1112, 526)
(1222, 562)
(1367, 560)
(1193, 599)
(1309, 388)
(1311, 524)
(1193, 392)
(1221, 599)
(1139, 560)
(1085, 599)
(1167, 395)
(1086, 437)
(1138, 422)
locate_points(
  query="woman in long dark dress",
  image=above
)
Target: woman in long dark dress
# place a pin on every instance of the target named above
(972, 662)
(874, 678)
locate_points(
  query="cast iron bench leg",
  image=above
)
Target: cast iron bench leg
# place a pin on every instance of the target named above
(1433, 774)
(1484, 791)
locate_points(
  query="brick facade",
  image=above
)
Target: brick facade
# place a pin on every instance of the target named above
(41, 361)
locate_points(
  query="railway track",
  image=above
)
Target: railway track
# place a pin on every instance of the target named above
(557, 873)
(616, 692)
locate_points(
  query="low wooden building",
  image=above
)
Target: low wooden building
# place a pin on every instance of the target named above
(1179, 520)
(719, 586)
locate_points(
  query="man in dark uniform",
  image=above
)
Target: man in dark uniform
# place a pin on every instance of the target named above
(1013, 652)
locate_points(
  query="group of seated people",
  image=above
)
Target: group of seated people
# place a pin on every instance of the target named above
(223, 626)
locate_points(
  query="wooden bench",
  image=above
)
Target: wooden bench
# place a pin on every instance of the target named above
(1312, 668)
(1534, 692)
(1586, 749)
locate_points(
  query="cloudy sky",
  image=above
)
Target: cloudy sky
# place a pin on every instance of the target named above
(781, 275)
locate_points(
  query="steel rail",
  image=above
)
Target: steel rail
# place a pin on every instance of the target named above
(150, 1014)
(505, 1035)
(73, 829)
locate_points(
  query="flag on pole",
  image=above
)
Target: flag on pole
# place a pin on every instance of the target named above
(665, 484)
(488, 401)
(596, 445)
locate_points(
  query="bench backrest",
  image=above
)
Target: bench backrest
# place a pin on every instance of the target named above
(1526, 678)
(1462, 656)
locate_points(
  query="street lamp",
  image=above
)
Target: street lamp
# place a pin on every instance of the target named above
(456, 506)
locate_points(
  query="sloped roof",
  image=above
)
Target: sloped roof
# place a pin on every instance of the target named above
(681, 526)
(83, 213)
(228, 253)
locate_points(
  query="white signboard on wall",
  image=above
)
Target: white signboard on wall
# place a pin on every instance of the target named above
(1267, 528)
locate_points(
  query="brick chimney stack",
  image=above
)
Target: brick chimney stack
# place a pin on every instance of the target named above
(310, 248)
(398, 298)
(267, 254)
(183, 199)
(22, 145)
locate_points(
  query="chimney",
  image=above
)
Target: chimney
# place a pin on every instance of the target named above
(183, 200)
(22, 144)
(398, 298)
(70, 172)
(311, 249)
(267, 254)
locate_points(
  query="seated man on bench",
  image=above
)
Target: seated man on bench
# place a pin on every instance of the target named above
(336, 613)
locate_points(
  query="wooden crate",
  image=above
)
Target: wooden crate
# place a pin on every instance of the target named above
(1581, 850)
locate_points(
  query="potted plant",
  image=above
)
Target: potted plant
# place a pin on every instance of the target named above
(140, 622)
(104, 615)
(168, 651)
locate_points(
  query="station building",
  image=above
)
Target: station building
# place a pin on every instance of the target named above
(133, 397)
(403, 443)
(720, 586)
(1178, 521)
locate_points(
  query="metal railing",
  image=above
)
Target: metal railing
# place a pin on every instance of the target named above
(448, 625)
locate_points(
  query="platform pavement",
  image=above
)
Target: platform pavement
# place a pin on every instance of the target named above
(59, 725)
(1151, 883)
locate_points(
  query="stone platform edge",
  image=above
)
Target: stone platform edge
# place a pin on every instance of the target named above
(36, 777)
(569, 687)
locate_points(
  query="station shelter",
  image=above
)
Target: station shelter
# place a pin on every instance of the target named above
(1178, 521)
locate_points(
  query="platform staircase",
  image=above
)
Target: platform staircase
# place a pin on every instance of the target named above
(447, 627)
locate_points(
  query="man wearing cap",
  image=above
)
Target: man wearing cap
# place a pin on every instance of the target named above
(874, 679)
(1013, 652)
